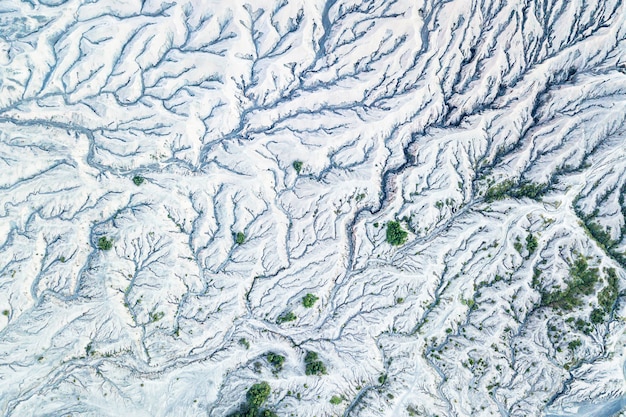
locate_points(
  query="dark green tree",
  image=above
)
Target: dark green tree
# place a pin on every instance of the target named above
(313, 366)
(276, 360)
(104, 243)
(258, 394)
(308, 300)
(285, 317)
(395, 234)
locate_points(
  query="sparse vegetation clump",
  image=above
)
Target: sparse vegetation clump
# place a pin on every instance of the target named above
(156, 316)
(597, 316)
(531, 244)
(244, 342)
(308, 300)
(518, 246)
(256, 396)
(335, 400)
(313, 366)
(608, 295)
(276, 360)
(582, 282)
(508, 188)
(138, 180)
(297, 165)
(574, 344)
(104, 243)
(286, 317)
(395, 234)
(240, 238)
(602, 235)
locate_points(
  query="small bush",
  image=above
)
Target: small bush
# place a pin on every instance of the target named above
(499, 191)
(5, 313)
(382, 379)
(156, 316)
(395, 234)
(608, 295)
(286, 317)
(308, 300)
(530, 190)
(104, 243)
(336, 400)
(244, 342)
(240, 238)
(258, 394)
(255, 398)
(138, 180)
(597, 316)
(276, 360)
(313, 365)
(582, 282)
(574, 344)
(297, 165)
(531, 244)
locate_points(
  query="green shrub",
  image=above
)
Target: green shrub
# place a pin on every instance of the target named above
(258, 394)
(276, 360)
(601, 235)
(104, 243)
(297, 165)
(582, 282)
(499, 191)
(382, 379)
(308, 300)
(582, 326)
(597, 316)
(574, 344)
(531, 244)
(530, 190)
(156, 316)
(286, 317)
(255, 397)
(5, 313)
(138, 180)
(395, 234)
(313, 366)
(608, 295)
(508, 188)
(244, 342)
(240, 238)
(336, 400)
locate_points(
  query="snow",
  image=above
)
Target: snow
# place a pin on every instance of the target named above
(416, 112)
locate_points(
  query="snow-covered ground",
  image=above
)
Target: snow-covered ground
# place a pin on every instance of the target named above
(176, 178)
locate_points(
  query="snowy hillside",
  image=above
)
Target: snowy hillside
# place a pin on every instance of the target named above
(308, 208)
